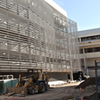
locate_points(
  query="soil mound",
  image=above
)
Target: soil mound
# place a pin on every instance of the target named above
(87, 82)
(92, 97)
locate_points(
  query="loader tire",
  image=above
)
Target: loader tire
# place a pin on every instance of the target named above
(32, 91)
(25, 93)
(46, 87)
(41, 87)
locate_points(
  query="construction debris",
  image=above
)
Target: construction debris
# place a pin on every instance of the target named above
(87, 82)
(91, 97)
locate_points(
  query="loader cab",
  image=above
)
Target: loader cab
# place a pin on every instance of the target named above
(34, 73)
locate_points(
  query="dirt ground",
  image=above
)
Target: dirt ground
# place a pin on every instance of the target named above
(54, 93)
(59, 92)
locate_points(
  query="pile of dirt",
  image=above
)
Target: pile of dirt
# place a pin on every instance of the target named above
(68, 98)
(92, 97)
(87, 82)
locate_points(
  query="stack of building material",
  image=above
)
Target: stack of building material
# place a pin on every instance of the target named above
(57, 83)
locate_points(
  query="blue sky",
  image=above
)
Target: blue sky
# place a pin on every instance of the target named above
(85, 12)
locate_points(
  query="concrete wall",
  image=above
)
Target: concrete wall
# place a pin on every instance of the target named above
(90, 32)
(57, 76)
(92, 73)
(53, 76)
(90, 55)
(90, 61)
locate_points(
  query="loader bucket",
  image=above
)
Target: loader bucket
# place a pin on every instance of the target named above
(15, 89)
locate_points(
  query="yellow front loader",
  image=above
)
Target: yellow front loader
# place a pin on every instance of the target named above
(30, 84)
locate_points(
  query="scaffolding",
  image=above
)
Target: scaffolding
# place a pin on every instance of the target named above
(34, 35)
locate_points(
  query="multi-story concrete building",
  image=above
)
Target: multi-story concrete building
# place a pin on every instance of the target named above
(37, 34)
(89, 44)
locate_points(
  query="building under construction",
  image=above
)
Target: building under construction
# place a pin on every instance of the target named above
(35, 34)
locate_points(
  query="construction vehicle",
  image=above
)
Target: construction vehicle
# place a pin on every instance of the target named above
(30, 84)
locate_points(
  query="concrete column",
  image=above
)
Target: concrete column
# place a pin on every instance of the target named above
(71, 75)
(40, 75)
(85, 64)
(83, 51)
(80, 40)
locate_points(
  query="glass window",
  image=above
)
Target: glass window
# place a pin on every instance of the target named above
(97, 49)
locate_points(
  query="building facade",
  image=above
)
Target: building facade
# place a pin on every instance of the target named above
(89, 44)
(35, 34)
